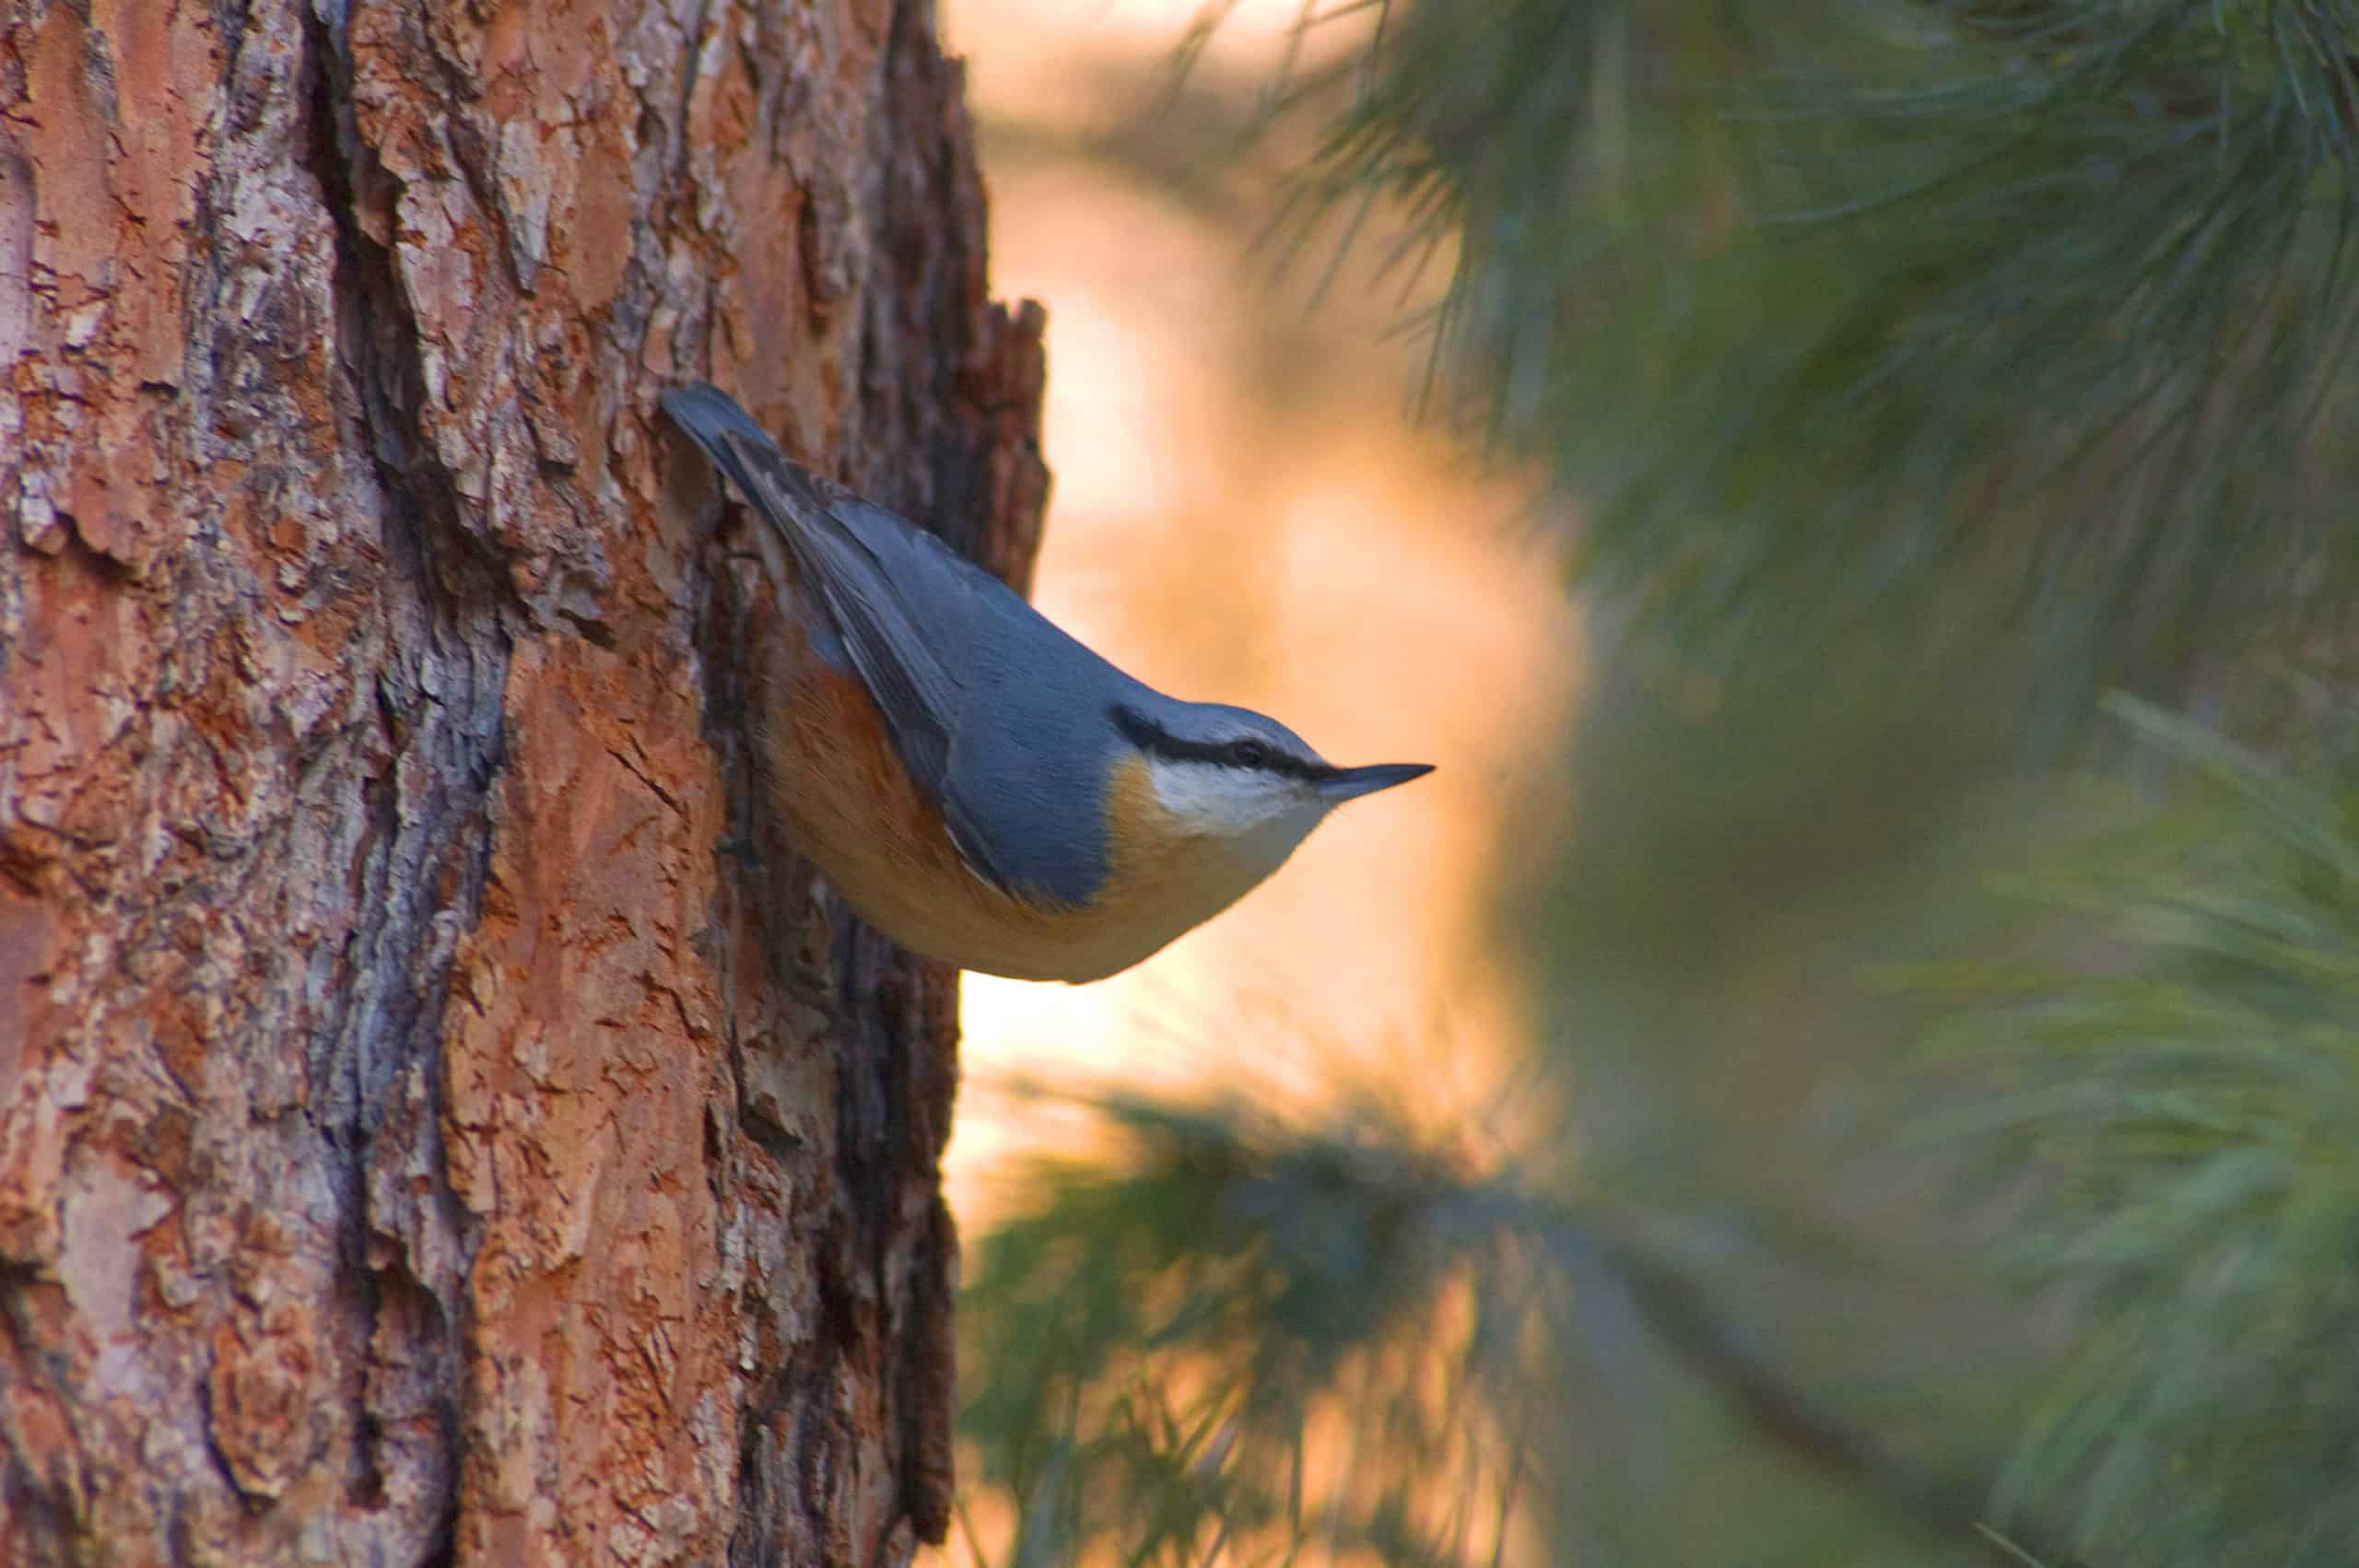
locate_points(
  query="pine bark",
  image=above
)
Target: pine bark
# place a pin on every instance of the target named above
(438, 1120)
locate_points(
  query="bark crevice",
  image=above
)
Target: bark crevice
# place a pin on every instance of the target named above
(426, 1134)
(437, 843)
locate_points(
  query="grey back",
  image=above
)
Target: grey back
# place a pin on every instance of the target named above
(1003, 719)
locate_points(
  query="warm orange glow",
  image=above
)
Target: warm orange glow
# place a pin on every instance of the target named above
(1244, 512)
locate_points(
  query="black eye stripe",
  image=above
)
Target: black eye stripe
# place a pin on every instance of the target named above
(1149, 736)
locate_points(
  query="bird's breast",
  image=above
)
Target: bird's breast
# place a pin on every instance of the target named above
(846, 801)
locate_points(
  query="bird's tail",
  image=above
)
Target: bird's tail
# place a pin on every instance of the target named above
(711, 415)
(799, 505)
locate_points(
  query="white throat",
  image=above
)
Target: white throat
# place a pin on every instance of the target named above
(1257, 817)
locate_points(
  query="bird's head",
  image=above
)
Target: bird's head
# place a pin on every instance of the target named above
(1240, 782)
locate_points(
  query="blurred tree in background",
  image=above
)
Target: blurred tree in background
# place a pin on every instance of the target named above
(1942, 1139)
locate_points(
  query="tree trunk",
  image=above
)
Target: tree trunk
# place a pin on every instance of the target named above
(421, 1137)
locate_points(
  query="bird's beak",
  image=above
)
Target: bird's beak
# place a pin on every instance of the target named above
(1351, 783)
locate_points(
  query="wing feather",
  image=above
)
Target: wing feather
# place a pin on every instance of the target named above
(895, 595)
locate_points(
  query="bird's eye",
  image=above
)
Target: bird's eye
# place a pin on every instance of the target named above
(1249, 754)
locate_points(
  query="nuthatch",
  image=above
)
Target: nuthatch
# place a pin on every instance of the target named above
(976, 783)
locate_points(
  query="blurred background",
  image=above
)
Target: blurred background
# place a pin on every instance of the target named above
(1854, 1058)
(1247, 510)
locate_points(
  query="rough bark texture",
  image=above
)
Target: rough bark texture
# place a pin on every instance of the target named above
(421, 1137)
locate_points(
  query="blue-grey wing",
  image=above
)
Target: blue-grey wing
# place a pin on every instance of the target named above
(908, 610)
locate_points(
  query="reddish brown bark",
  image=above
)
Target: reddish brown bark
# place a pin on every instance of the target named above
(417, 1133)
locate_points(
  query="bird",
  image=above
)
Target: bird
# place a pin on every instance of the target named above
(971, 779)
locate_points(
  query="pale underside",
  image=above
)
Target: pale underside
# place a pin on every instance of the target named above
(847, 803)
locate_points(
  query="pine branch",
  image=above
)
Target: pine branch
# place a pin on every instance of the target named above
(2010, 320)
(1211, 1216)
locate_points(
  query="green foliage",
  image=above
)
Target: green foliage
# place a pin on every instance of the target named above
(1252, 1335)
(2185, 1099)
(1826, 312)
(1226, 1339)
